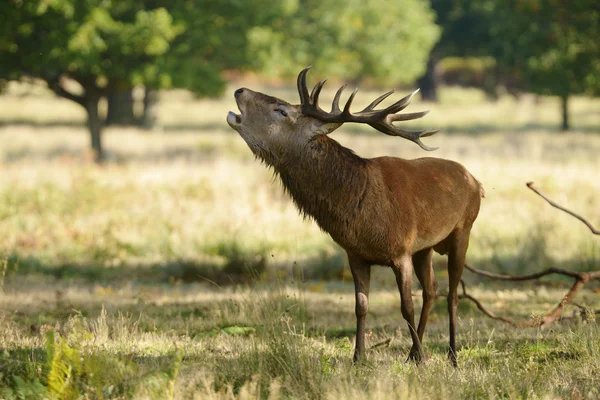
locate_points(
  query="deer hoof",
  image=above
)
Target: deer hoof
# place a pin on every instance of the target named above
(417, 356)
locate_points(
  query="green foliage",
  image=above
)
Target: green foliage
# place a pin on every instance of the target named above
(24, 390)
(465, 28)
(97, 39)
(108, 46)
(156, 43)
(215, 39)
(73, 368)
(386, 41)
(552, 44)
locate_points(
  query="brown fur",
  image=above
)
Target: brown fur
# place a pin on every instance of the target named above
(383, 211)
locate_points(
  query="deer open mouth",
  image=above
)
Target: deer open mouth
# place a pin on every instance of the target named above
(233, 119)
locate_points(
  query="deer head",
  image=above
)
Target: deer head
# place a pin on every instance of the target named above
(272, 127)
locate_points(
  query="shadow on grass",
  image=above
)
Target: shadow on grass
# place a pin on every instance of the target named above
(184, 271)
(233, 266)
(238, 267)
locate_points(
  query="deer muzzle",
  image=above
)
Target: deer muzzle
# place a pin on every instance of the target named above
(233, 119)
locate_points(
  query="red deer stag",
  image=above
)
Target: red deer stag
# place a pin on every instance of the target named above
(382, 211)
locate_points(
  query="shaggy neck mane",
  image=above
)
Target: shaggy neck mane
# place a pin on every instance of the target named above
(327, 182)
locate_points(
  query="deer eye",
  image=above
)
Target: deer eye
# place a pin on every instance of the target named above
(282, 112)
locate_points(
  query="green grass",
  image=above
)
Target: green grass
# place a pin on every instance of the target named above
(180, 269)
(277, 341)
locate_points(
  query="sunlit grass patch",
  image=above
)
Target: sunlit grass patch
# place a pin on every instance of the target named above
(135, 266)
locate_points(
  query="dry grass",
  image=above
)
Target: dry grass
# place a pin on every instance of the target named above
(189, 202)
(204, 191)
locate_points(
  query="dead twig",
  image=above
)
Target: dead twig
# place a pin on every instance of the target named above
(553, 204)
(586, 309)
(385, 342)
(480, 306)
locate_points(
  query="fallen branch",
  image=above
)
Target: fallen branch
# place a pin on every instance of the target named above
(580, 280)
(553, 204)
(537, 275)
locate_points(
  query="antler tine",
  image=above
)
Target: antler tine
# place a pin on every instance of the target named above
(401, 104)
(314, 95)
(407, 117)
(302, 89)
(378, 100)
(429, 132)
(335, 105)
(349, 102)
(382, 119)
(391, 130)
(425, 147)
(425, 133)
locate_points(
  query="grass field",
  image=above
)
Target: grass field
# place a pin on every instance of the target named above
(132, 280)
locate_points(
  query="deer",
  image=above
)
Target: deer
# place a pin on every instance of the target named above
(383, 211)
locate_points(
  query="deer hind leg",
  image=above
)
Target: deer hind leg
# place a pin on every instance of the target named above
(403, 269)
(361, 272)
(424, 270)
(458, 244)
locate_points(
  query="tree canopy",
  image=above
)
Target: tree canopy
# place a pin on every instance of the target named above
(110, 46)
(464, 27)
(106, 45)
(386, 41)
(553, 45)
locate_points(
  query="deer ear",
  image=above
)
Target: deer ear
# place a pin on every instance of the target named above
(324, 128)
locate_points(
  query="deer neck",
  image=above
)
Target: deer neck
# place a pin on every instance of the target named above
(328, 183)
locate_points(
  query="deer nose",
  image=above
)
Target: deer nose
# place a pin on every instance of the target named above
(238, 92)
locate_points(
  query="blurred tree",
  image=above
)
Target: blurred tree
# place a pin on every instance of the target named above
(86, 42)
(465, 33)
(120, 107)
(554, 45)
(355, 39)
(109, 46)
(214, 39)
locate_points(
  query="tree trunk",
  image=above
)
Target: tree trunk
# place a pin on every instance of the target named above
(120, 108)
(150, 115)
(94, 124)
(565, 112)
(428, 83)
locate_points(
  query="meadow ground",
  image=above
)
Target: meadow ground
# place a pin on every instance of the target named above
(131, 279)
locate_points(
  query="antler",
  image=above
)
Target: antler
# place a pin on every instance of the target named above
(379, 119)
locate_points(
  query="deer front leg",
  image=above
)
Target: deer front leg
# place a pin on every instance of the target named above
(403, 269)
(361, 272)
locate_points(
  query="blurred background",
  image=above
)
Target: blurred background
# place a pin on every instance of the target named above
(117, 165)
